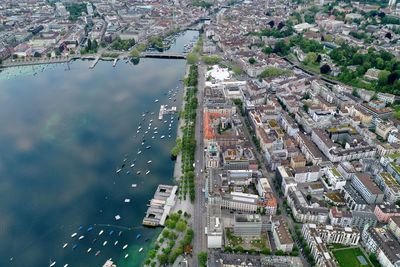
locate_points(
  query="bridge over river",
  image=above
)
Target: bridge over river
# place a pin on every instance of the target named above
(173, 55)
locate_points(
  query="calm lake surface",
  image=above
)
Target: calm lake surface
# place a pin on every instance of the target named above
(64, 134)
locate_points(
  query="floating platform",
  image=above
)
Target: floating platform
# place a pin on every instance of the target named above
(160, 206)
(165, 110)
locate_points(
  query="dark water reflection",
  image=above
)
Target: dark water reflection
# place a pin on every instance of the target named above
(63, 135)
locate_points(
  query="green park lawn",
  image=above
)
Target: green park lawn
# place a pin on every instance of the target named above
(348, 257)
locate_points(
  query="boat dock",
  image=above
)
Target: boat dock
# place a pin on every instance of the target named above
(115, 62)
(165, 110)
(95, 62)
(109, 263)
(161, 205)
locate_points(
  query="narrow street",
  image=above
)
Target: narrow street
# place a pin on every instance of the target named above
(271, 177)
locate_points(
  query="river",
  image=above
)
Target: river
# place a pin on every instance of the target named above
(65, 131)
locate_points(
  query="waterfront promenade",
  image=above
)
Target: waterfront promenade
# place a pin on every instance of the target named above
(34, 61)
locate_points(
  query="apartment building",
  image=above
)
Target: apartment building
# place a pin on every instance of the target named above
(389, 185)
(368, 189)
(283, 239)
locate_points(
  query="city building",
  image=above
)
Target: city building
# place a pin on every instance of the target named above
(282, 238)
(248, 225)
(368, 189)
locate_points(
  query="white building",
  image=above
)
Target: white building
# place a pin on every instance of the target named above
(336, 180)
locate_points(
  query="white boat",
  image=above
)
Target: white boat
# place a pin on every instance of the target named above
(132, 165)
(162, 136)
(66, 265)
(115, 243)
(155, 101)
(101, 232)
(151, 121)
(140, 127)
(126, 256)
(140, 249)
(125, 246)
(146, 132)
(137, 131)
(52, 264)
(117, 217)
(152, 137)
(89, 249)
(104, 243)
(149, 162)
(147, 172)
(81, 237)
(155, 128)
(155, 132)
(138, 172)
(65, 245)
(127, 200)
(140, 151)
(119, 170)
(97, 253)
(148, 147)
(134, 185)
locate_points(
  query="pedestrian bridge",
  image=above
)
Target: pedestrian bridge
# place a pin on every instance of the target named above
(173, 55)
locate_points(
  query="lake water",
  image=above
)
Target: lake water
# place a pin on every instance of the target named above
(65, 132)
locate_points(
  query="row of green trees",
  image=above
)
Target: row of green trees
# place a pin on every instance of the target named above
(187, 184)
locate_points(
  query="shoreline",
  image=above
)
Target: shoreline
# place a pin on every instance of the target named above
(178, 162)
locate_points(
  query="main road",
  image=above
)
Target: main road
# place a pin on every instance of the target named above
(199, 216)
